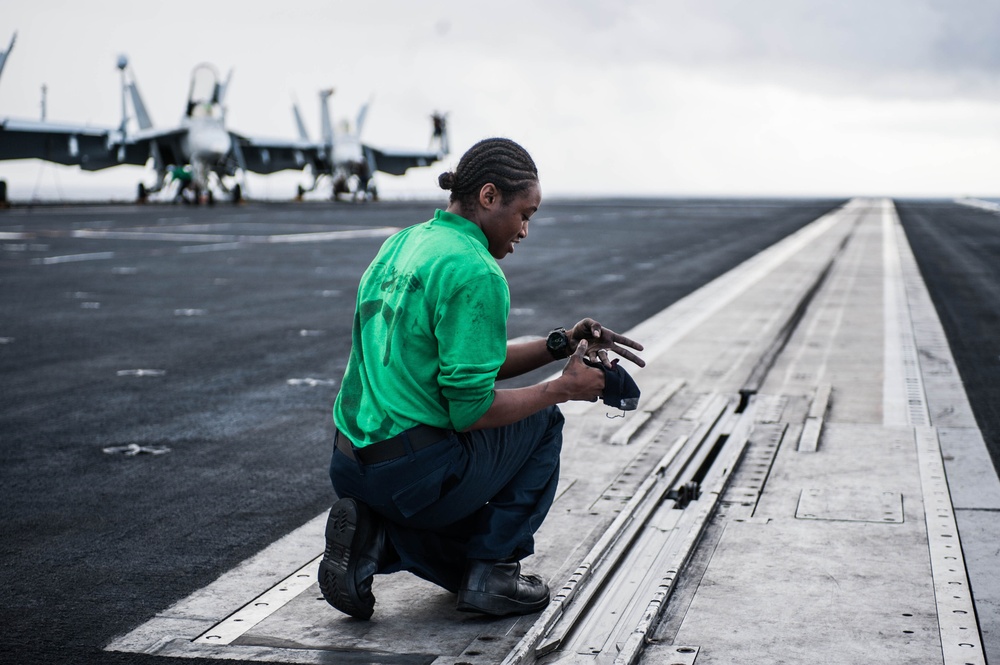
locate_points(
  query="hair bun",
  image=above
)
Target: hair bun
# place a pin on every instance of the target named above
(446, 180)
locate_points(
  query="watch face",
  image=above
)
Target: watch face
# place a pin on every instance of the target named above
(557, 342)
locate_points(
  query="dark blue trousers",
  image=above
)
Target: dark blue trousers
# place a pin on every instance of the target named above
(474, 495)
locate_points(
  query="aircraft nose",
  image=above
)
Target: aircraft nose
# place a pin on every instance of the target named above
(209, 143)
(220, 143)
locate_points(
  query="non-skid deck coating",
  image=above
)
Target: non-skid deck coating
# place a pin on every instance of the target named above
(834, 542)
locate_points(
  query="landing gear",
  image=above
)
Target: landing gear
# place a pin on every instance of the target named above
(236, 195)
(344, 187)
(340, 186)
(141, 194)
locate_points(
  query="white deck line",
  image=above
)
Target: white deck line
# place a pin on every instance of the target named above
(151, 235)
(905, 404)
(261, 607)
(979, 203)
(212, 243)
(903, 399)
(72, 258)
(173, 236)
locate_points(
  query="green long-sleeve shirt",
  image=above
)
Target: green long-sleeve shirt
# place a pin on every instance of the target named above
(429, 333)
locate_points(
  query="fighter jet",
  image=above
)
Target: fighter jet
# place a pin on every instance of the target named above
(200, 143)
(349, 163)
(200, 153)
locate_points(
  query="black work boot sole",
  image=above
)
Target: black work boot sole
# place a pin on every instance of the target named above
(348, 528)
(497, 605)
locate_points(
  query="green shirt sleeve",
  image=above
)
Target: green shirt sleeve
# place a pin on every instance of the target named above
(472, 343)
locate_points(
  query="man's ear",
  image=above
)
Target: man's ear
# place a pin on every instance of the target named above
(489, 196)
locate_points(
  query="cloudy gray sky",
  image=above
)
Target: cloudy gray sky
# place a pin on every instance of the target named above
(643, 97)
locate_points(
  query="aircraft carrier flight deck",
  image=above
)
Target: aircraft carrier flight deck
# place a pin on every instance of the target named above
(810, 476)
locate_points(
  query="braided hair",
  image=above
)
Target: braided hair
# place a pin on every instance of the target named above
(500, 161)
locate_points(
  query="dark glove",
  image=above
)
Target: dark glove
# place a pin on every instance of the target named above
(620, 390)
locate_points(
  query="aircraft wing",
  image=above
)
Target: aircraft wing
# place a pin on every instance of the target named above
(164, 146)
(272, 155)
(90, 148)
(396, 162)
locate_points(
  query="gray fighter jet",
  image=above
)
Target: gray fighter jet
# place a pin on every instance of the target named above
(349, 162)
(201, 153)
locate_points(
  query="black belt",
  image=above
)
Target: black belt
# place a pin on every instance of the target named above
(420, 437)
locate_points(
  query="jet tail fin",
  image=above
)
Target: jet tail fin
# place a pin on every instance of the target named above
(141, 115)
(219, 95)
(131, 91)
(362, 114)
(4, 54)
(324, 109)
(303, 134)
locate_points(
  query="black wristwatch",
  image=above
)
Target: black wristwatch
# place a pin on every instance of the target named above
(558, 344)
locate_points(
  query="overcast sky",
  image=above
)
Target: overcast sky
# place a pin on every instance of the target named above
(638, 97)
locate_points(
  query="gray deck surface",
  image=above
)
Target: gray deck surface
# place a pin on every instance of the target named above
(835, 541)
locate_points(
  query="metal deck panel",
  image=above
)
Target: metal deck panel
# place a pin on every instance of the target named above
(809, 592)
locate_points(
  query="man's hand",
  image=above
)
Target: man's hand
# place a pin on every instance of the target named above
(600, 340)
(580, 381)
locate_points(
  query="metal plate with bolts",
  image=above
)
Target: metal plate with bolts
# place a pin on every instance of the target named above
(261, 607)
(850, 505)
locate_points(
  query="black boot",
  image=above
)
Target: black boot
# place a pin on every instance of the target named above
(494, 587)
(355, 541)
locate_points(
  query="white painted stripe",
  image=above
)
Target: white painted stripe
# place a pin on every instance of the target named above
(961, 641)
(71, 258)
(380, 232)
(9, 235)
(979, 203)
(151, 235)
(261, 607)
(227, 242)
(219, 247)
(322, 236)
(893, 381)
(903, 399)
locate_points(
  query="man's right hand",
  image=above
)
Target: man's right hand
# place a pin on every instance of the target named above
(582, 382)
(577, 382)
